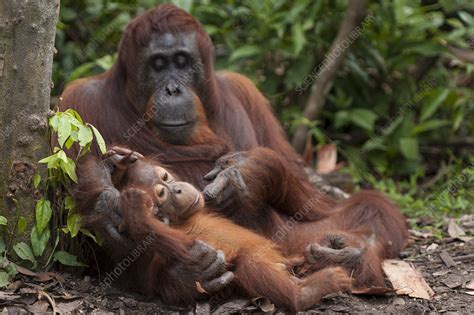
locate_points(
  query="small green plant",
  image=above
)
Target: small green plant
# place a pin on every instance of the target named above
(53, 192)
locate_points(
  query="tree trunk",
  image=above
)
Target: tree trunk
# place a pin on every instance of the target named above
(27, 31)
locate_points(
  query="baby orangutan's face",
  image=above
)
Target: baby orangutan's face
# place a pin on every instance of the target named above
(174, 201)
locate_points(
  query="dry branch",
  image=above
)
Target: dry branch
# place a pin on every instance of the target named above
(354, 15)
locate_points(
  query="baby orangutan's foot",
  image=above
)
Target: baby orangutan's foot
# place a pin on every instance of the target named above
(321, 283)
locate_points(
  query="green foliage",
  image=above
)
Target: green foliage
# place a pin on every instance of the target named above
(48, 242)
(7, 269)
(401, 90)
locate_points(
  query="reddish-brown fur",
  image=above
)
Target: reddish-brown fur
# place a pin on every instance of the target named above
(367, 220)
(260, 269)
(237, 117)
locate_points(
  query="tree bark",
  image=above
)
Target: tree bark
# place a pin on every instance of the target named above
(354, 15)
(27, 32)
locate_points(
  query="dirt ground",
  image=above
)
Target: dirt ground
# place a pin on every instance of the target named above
(452, 287)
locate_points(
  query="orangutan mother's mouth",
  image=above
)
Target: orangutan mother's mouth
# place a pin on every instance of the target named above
(174, 124)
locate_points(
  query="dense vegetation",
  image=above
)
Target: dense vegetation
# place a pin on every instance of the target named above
(400, 109)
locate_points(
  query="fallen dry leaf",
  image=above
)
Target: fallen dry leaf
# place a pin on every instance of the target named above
(327, 159)
(454, 230)
(6, 296)
(432, 247)
(420, 234)
(42, 276)
(447, 259)
(68, 307)
(39, 307)
(453, 281)
(440, 273)
(406, 279)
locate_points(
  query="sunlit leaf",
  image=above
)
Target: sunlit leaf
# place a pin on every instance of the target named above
(69, 168)
(99, 139)
(73, 223)
(84, 135)
(64, 130)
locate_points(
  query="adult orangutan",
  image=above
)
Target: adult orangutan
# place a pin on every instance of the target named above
(163, 99)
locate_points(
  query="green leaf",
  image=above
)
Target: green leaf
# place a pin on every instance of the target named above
(89, 234)
(245, 52)
(74, 114)
(81, 71)
(4, 279)
(56, 242)
(70, 141)
(466, 17)
(410, 148)
(341, 119)
(36, 180)
(99, 139)
(64, 130)
(73, 223)
(54, 122)
(85, 135)
(3, 220)
(62, 155)
(69, 203)
(431, 124)
(68, 14)
(43, 214)
(69, 168)
(434, 101)
(11, 270)
(24, 252)
(48, 159)
(299, 39)
(21, 225)
(363, 118)
(186, 5)
(67, 259)
(105, 62)
(39, 241)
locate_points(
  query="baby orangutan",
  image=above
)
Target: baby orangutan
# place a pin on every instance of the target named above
(151, 196)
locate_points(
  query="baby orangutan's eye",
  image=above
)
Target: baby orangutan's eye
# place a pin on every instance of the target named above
(165, 176)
